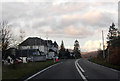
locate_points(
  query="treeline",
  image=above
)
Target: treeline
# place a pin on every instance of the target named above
(64, 53)
(112, 52)
(73, 54)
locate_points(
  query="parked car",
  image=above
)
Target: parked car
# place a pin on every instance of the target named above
(29, 59)
(17, 61)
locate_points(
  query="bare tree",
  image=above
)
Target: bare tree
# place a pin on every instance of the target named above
(5, 36)
(18, 38)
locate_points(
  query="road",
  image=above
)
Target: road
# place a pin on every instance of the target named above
(78, 69)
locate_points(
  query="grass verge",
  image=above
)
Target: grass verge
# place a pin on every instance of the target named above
(19, 71)
(104, 63)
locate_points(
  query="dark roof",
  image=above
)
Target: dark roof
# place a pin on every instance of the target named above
(33, 41)
(37, 41)
(49, 41)
(55, 44)
(51, 50)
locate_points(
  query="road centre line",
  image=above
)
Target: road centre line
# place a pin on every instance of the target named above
(80, 68)
(83, 77)
(40, 72)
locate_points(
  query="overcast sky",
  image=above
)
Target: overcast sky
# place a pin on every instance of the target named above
(65, 21)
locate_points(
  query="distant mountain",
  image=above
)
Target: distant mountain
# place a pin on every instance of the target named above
(89, 54)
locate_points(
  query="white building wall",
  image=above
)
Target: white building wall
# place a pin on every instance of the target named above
(29, 47)
(51, 55)
(45, 49)
(35, 47)
(24, 47)
(41, 48)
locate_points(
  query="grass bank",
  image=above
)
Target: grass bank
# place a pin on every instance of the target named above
(19, 71)
(104, 63)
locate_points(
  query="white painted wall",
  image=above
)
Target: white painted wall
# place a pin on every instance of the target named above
(51, 55)
(29, 47)
(45, 50)
(41, 48)
(35, 47)
(24, 47)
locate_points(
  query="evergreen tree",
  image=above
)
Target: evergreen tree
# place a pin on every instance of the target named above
(77, 50)
(62, 50)
(113, 47)
(62, 45)
(113, 32)
(67, 53)
(112, 35)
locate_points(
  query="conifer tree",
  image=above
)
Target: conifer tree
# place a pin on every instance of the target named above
(62, 50)
(77, 49)
(113, 34)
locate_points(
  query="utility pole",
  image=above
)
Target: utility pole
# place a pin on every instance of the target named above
(100, 46)
(47, 43)
(103, 44)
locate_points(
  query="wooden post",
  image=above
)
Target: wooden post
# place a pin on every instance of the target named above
(103, 44)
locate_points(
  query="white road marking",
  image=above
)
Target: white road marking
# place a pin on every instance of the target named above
(41, 71)
(80, 68)
(83, 77)
(115, 70)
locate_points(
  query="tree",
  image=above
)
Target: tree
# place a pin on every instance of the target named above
(77, 50)
(62, 45)
(113, 46)
(113, 34)
(5, 35)
(62, 50)
(18, 40)
(67, 53)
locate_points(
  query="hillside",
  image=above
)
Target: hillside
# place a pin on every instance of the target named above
(89, 54)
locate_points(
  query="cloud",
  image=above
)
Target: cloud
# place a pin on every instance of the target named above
(91, 45)
(72, 31)
(60, 19)
(91, 17)
(97, 18)
(69, 18)
(77, 31)
(66, 13)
